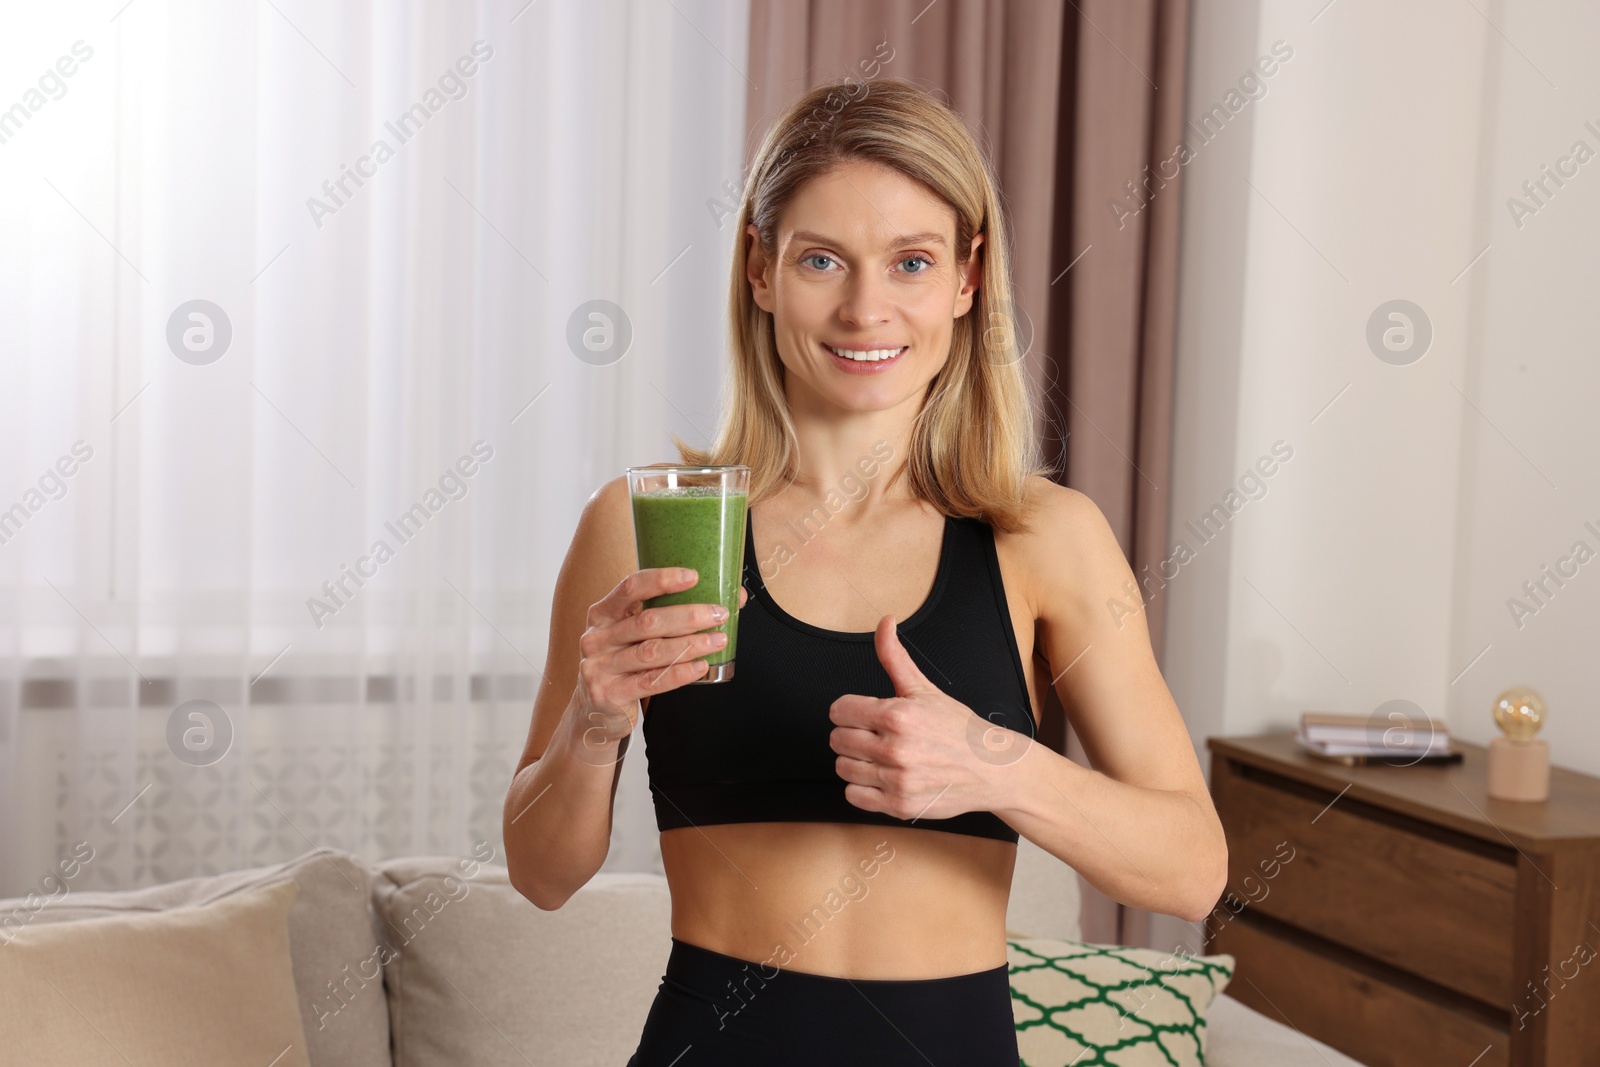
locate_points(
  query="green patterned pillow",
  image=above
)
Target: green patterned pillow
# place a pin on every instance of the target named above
(1079, 1004)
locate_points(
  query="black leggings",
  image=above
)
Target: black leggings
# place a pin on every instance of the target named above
(714, 1010)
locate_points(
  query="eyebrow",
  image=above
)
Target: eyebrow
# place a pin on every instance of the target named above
(899, 242)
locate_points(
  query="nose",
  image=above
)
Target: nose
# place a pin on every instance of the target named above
(866, 301)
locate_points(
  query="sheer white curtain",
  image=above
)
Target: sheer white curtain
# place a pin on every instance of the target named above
(275, 568)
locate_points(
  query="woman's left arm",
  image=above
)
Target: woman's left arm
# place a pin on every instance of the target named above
(1140, 826)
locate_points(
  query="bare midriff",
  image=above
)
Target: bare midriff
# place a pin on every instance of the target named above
(798, 895)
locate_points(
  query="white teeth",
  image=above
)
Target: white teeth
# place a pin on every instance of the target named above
(872, 356)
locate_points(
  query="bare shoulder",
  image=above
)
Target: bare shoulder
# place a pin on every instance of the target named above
(1068, 554)
(604, 538)
(612, 499)
(605, 530)
(1054, 504)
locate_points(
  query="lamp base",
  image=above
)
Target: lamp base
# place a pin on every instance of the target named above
(1519, 770)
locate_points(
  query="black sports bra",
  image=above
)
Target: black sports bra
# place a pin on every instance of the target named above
(755, 748)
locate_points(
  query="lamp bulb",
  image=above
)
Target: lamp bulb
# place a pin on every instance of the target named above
(1519, 712)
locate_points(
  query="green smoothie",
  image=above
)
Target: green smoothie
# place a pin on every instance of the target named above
(703, 528)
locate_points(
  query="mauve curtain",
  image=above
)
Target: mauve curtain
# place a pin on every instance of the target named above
(1110, 365)
(1064, 96)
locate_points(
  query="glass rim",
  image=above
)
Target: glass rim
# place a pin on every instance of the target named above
(691, 470)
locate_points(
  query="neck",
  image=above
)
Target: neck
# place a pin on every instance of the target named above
(851, 453)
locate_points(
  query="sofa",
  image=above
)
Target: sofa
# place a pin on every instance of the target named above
(437, 960)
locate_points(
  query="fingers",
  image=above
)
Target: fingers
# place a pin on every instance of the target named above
(641, 651)
(654, 653)
(856, 744)
(635, 589)
(609, 682)
(861, 711)
(641, 684)
(667, 621)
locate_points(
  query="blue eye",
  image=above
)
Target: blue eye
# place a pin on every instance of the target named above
(923, 259)
(817, 255)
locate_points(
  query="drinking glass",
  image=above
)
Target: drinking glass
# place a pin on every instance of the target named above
(694, 517)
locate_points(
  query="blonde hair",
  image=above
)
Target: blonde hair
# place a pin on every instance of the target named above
(973, 442)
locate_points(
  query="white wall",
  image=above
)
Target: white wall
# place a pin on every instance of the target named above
(1378, 562)
(1532, 369)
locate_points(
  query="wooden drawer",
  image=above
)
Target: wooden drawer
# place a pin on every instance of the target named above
(1421, 898)
(1330, 996)
(1391, 933)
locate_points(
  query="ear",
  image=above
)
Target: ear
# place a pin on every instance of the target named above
(971, 275)
(756, 269)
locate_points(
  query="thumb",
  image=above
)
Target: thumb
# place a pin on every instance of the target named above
(903, 672)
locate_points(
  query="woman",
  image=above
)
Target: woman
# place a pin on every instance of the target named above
(839, 820)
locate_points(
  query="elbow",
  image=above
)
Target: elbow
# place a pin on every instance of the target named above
(541, 897)
(1201, 906)
(548, 882)
(523, 871)
(1207, 867)
(546, 903)
(1208, 883)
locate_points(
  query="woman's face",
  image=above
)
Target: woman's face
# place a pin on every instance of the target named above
(865, 262)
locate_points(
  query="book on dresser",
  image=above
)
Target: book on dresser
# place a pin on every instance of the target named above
(1404, 917)
(1325, 733)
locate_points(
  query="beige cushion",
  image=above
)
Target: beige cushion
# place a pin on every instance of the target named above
(1045, 898)
(332, 943)
(209, 986)
(1242, 1037)
(483, 977)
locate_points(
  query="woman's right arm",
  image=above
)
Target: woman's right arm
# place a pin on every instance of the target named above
(605, 653)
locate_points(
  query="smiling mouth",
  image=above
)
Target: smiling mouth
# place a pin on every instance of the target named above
(876, 355)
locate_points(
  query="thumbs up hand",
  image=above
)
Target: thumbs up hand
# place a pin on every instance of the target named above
(920, 754)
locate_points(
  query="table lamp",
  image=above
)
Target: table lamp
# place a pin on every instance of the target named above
(1519, 765)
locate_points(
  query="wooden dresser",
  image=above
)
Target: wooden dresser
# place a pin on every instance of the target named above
(1403, 917)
